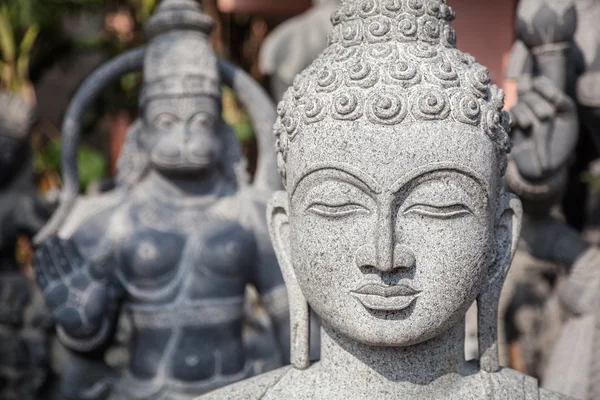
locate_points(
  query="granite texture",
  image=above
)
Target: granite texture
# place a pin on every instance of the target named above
(556, 62)
(392, 146)
(175, 244)
(25, 325)
(293, 45)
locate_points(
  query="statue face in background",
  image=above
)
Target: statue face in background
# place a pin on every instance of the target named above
(390, 228)
(181, 133)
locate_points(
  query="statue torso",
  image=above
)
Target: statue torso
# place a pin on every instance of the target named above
(184, 267)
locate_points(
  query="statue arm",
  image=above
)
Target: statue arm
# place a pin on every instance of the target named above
(520, 63)
(77, 277)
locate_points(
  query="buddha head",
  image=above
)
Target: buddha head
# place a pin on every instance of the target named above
(181, 96)
(392, 146)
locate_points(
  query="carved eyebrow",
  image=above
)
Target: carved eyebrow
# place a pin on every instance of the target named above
(440, 167)
(346, 169)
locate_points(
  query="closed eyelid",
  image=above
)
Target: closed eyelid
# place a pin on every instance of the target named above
(439, 211)
(338, 210)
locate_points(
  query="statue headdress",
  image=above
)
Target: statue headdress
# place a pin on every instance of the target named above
(179, 59)
(391, 62)
(178, 30)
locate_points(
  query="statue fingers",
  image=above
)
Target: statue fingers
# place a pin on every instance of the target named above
(56, 296)
(521, 116)
(72, 254)
(44, 263)
(70, 319)
(38, 268)
(546, 89)
(540, 106)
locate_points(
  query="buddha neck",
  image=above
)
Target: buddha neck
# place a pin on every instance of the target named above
(427, 364)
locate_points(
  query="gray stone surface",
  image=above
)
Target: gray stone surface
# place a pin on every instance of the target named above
(392, 146)
(293, 45)
(25, 325)
(556, 62)
(178, 240)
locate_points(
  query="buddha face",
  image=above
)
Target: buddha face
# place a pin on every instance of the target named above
(181, 134)
(391, 232)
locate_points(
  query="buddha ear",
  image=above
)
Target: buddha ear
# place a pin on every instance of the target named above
(278, 220)
(279, 228)
(508, 230)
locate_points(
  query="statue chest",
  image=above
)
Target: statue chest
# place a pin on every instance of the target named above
(211, 258)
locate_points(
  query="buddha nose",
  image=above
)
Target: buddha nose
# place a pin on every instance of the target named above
(385, 252)
(401, 258)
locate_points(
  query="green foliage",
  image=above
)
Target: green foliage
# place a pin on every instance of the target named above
(143, 9)
(46, 13)
(592, 180)
(236, 116)
(15, 52)
(91, 163)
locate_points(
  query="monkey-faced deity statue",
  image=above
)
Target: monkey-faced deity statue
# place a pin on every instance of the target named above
(392, 146)
(176, 243)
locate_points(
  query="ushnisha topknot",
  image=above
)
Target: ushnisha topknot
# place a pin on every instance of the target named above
(393, 62)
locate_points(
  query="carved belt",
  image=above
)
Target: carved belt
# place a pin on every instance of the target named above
(187, 313)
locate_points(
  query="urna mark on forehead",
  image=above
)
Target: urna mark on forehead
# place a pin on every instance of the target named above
(389, 158)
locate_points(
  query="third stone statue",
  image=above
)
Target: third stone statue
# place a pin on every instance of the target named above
(176, 243)
(392, 147)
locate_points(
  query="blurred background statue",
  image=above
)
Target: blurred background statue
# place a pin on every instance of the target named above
(556, 62)
(24, 351)
(296, 43)
(175, 244)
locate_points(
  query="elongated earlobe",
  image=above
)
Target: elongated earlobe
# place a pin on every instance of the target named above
(278, 218)
(508, 230)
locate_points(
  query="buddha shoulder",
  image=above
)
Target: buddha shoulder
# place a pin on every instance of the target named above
(510, 384)
(250, 389)
(504, 384)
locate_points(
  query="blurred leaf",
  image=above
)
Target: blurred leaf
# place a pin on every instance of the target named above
(25, 53)
(592, 180)
(143, 9)
(7, 40)
(92, 164)
(236, 116)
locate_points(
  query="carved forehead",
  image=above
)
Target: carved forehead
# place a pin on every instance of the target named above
(387, 154)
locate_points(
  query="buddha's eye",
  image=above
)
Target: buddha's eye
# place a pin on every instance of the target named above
(335, 210)
(165, 121)
(441, 212)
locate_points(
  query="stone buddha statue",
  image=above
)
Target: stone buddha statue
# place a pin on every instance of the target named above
(174, 246)
(392, 146)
